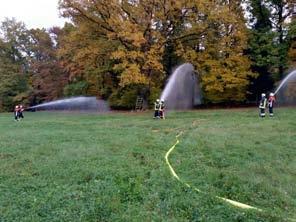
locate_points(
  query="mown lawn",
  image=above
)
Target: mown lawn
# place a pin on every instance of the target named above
(111, 167)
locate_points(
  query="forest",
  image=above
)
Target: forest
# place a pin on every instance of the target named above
(118, 50)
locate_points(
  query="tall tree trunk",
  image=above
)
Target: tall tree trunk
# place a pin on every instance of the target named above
(281, 41)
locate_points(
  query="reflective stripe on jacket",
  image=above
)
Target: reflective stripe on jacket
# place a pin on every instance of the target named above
(263, 103)
(156, 106)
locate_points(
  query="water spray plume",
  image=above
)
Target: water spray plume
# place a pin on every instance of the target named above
(286, 91)
(182, 90)
(80, 103)
(290, 76)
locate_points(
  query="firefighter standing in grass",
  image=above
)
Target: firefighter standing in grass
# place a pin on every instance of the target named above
(16, 113)
(262, 105)
(271, 100)
(156, 109)
(161, 110)
(20, 113)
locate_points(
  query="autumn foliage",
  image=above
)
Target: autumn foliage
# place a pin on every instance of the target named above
(118, 50)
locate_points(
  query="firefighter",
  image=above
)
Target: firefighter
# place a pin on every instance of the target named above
(20, 113)
(161, 110)
(16, 113)
(271, 101)
(262, 105)
(156, 109)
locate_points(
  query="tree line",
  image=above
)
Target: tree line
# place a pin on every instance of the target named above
(118, 50)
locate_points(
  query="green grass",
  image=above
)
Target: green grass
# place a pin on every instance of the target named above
(111, 167)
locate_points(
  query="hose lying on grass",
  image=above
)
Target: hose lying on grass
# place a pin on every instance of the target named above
(232, 202)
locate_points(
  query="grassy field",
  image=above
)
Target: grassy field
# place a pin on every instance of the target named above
(111, 167)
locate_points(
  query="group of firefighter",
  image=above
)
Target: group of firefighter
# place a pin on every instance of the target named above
(159, 109)
(18, 112)
(264, 103)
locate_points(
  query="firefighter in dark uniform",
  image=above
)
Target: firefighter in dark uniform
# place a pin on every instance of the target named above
(262, 105)
(21, 110)
(161, 110)
(271, 100)
(16, 113)
(156, 109)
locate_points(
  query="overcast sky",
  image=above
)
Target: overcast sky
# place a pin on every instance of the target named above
(34, 13)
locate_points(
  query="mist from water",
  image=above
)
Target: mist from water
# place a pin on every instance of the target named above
(291, 76)
(80, 103)
(286, 91)
(182, 90)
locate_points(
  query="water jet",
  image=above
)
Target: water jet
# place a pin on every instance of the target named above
(80, 103)
(182, 90)
(286, 91)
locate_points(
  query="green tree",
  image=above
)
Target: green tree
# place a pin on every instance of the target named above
(268, 42)
(262, 49)
(281, 12)
(14, 86)
(13, 82)
(292, 40)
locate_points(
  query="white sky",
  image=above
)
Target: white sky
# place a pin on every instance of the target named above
(34, 13)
